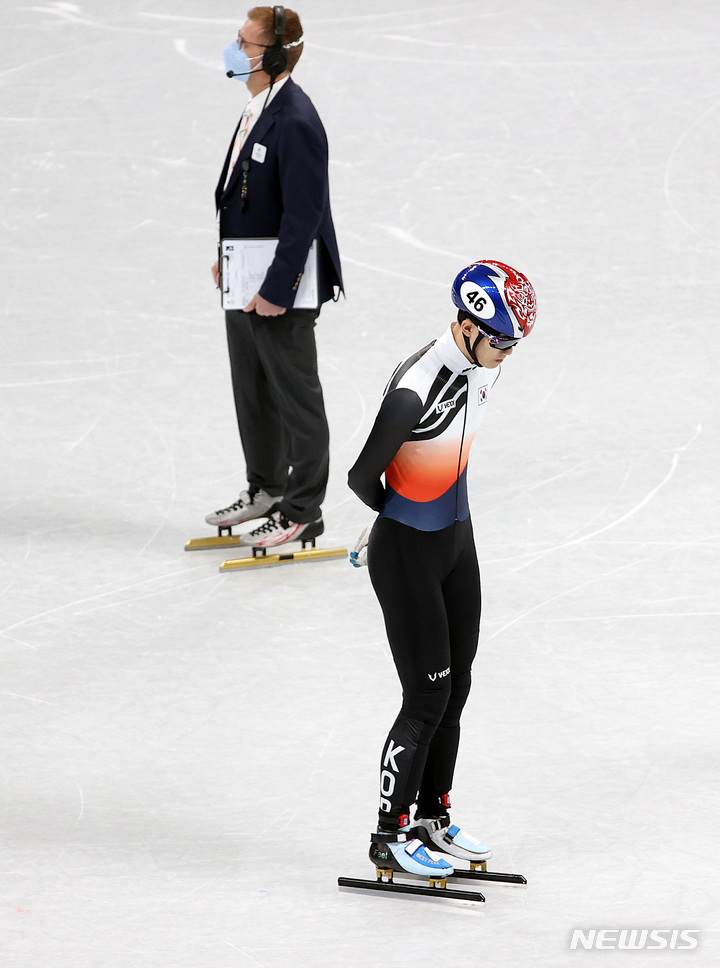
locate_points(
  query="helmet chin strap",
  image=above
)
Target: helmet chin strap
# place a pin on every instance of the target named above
(471, 349)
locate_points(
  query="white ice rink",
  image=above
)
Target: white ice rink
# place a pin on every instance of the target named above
(190, 759)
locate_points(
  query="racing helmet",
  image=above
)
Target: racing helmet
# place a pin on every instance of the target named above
(497, 297)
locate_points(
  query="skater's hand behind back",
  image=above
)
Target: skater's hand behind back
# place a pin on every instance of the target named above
(358, 556)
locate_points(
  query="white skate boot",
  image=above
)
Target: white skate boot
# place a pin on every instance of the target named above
(247, 507)
(439, 833)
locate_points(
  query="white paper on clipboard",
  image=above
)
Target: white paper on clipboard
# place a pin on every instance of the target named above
(244, 264)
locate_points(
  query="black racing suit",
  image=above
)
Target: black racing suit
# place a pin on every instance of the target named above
(423, 565)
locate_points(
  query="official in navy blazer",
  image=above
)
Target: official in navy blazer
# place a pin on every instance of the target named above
(274, 184)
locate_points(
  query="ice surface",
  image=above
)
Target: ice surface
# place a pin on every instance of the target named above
(190, 759)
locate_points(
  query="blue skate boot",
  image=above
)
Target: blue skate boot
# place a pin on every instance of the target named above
(400, 851)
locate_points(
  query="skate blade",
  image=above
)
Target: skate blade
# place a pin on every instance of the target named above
(313, 554)
(489, 877)
(358, 885)
(207, 544)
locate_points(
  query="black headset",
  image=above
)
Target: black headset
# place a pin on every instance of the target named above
(275, 58)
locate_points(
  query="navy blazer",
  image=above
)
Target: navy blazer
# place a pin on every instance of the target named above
(287, 195)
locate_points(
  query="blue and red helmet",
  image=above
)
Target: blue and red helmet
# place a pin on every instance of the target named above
(499, 298)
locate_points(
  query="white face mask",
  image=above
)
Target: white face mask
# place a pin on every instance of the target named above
(238, 65)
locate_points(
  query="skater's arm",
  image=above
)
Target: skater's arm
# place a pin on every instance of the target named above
(400, 412)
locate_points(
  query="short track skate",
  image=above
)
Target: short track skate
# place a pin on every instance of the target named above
(476, 870)
(226, 540)
(390, 879)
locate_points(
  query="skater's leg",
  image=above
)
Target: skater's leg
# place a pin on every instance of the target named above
(462, 597)
(406, 568)
(461, 592)
(402, 763)
(287, 351)
(261, 428)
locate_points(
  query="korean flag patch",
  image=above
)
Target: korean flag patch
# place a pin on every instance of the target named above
(482, 395)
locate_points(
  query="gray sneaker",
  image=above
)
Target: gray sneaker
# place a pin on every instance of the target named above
(248, 506)
(276, 530)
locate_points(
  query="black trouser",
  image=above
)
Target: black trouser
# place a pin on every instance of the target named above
(428, 585)
(280, 409)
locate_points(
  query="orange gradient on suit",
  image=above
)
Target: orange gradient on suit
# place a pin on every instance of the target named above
(425, 470)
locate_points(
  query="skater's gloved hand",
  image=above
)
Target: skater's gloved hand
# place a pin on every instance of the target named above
(358, 556)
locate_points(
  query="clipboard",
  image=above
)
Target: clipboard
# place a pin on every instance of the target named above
(244, 264)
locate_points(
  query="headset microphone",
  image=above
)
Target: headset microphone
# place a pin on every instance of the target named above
(274, 57)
